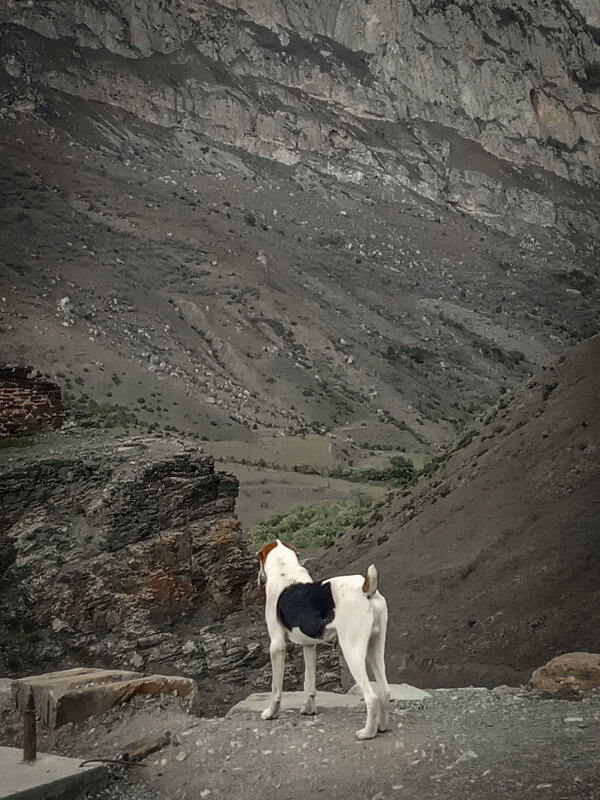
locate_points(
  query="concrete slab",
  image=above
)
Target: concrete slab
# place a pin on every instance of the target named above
(292, 701)
(48, 778)
(399, 691)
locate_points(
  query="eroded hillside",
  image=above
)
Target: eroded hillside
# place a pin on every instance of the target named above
(491, 564)
(237, 223)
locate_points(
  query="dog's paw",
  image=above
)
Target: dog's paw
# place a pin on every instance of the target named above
(382, 727)
(308, 709)
(270, 713)
(366, 733)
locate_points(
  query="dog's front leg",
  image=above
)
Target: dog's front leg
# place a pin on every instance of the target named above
(310, 679)
(277, 651)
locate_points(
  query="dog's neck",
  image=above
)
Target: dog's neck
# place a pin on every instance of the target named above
(282, 570)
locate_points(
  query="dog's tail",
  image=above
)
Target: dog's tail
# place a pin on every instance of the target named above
(371, 581)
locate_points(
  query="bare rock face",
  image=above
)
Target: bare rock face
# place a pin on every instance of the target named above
(521, 79)
(117, 553)
(590, 11)
(510, 75)
(568, 674)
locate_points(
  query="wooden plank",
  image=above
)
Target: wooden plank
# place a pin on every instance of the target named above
(137, 751)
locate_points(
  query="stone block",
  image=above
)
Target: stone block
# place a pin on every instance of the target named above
(75, 694)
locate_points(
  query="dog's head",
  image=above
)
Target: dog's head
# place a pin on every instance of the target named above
(262, 558)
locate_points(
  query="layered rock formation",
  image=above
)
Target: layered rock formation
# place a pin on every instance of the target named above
(118, 553)
(521, 79)
(514, 76)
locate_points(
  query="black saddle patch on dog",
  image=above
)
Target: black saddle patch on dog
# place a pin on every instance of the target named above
(308, 606)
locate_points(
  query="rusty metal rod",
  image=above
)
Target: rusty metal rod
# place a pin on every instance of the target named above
(29, 732)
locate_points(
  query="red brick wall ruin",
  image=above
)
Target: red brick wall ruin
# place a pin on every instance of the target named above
(28, 404)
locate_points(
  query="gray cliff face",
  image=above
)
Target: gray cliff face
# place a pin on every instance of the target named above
(522, 79)
(591, 13)
(513, 76)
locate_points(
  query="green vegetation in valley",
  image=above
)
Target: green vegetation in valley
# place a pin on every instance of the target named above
(399, 472)
(312, 525)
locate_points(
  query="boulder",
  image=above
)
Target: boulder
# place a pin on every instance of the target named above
(568, 674)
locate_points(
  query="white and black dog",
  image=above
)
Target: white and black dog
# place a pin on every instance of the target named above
(306, 613)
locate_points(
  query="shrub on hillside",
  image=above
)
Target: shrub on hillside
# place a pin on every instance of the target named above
(311, 525)
(399, 472)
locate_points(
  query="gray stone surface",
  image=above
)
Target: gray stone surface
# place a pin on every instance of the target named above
(460, 744)
(399, 691)
(48, 777)
(293, 700)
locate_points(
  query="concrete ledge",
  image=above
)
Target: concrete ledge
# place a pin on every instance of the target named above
(292, 701)
(48, 778)
(399, 692)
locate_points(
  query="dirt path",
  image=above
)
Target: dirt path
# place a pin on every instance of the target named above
(466, 744)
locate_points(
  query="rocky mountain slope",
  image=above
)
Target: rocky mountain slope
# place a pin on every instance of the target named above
(490, 566)
(368, 219)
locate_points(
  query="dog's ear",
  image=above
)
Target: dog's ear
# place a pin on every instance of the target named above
(262, 557)
(262, 577)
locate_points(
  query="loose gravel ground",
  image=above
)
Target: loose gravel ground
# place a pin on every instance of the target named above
(468, 744)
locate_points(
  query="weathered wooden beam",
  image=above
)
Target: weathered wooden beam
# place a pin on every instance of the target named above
(137, 751)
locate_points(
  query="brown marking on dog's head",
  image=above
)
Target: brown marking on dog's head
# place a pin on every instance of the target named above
(264, 552)
(262, 557)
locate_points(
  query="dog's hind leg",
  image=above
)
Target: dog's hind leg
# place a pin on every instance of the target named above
(355, 653)
(277, 652)
(375, 660)
(310, 679)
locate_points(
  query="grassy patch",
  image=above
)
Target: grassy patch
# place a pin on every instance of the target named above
(312, 525)
(89, 413)
(15, 442)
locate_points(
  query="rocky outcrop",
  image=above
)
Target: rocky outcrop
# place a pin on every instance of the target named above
(568, 675)
(116, 553)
